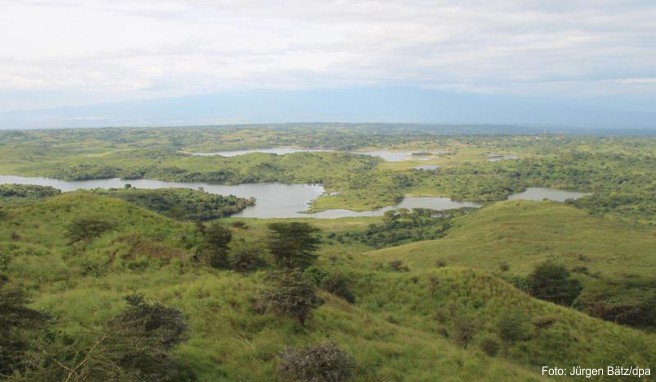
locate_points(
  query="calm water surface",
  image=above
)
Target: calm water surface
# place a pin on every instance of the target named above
(387, 155)
(541, 193)
(273, 200)
(277, 200)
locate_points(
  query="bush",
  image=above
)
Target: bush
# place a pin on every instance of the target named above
(490, 346)
(292, 294)
(246, 260)
(512, 327)
(319, 363)
(552, 282)
(337, 285)
(464, 331)
(397, 266)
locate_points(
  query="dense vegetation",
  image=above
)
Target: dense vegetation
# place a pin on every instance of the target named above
(20, 192)
(615, 169)
(402, 226)
(181, 203)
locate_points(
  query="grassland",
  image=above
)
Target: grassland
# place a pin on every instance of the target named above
(401, 328)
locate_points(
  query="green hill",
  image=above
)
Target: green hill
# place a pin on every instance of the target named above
(404, 326)
(525, 233)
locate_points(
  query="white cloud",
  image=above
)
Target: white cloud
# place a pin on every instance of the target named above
(144, 49)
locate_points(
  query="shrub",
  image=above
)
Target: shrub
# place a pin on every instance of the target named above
(337, 285)
(512, 327)
(490, 346)
(318, 363)
(292, 294)
(246, 260)
(552, 282)
(397, 266)
(464, 331)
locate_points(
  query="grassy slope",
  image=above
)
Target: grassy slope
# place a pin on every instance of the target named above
(524, 233)
(397, 330)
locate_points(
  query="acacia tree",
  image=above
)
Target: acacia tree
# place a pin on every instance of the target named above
(293, 244)
(87, 229)
(291, 294)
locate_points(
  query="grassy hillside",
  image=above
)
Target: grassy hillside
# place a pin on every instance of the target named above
(525, 233)
(404, 326)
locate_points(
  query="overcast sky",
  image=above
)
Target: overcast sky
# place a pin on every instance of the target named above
(76, 52)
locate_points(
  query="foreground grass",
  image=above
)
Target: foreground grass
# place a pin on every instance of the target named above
(403, 326)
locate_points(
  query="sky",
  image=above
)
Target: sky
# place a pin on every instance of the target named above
(96, 62)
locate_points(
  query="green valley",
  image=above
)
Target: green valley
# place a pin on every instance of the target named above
(133, 284)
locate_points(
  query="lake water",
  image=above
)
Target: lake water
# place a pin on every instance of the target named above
(541, 193)
(387, 155)
(273, 200)
(429, 167)
(277, 151)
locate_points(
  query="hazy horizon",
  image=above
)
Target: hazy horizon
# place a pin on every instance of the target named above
(107, 63)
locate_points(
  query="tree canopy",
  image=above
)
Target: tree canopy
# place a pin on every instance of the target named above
(293, 244)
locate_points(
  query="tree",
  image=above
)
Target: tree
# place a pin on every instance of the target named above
(134, 346)
(245, 260)
(216, 238)
(87, 229)
(292, 294)
(293, 244)
(16, 320)
(512, 327)
(318, 363)
(552, 282)
(465, 330)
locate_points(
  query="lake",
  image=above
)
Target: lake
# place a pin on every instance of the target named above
(387, 155)
(273, 200)
(278, 200)
(276, 150)
(541, 193)
(429, 167)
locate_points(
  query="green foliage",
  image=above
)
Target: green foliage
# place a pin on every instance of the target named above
(325, 362)
(490, 345)
(86, 229)
(16, 320)
(216, 238)
(246, 260)
(512, 326)
(135, 345)
(293, 244)
(466, 328)
(337, 284)
(9, 192)
(552, 282)
(402, 226)
(181, 203)
(631, 301)
(291, 294)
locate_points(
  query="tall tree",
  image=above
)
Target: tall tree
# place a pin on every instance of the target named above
(216, 237)
(16, 321)
(293, 244)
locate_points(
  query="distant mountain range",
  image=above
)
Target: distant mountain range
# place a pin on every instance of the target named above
(376, 105)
